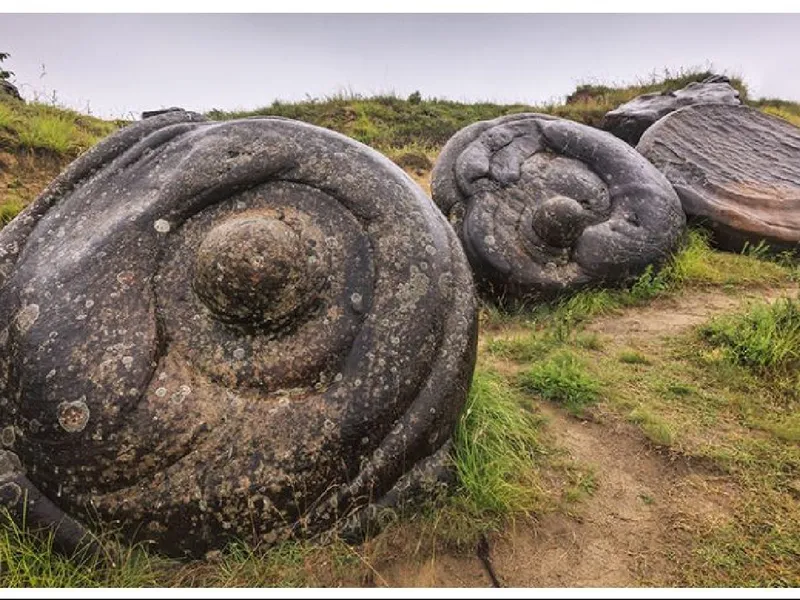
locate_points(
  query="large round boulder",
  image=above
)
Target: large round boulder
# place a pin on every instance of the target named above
(545, 206)
(735, 169)
(630, 120)
(246, 330)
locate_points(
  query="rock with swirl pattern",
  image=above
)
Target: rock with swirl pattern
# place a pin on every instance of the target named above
(546, 206)
(248, 329)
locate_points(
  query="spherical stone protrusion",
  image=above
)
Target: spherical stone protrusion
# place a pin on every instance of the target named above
(7, 436)
(560, 220)
(10, 493)
(258, 269)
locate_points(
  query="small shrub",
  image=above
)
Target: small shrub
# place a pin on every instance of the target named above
(650, 284)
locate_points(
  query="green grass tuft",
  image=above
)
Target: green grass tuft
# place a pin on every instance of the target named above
(765, 338)
(587, 304)
(6, 116)
(9, 209)
(43, 127)
(588, 341)
(656, 429)
(496, 443)
(585, 485)
(563, 379)
(785, 113)
(27, 560)
(54, 133)
(522, 348)
(699, 264)
(633, 357)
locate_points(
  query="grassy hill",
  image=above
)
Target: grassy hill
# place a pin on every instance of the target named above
(37, 140)
(645, 436)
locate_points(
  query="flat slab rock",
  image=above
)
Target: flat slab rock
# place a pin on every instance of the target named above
(250, 330)
(545, 206)
(630, 120)
(735, 169)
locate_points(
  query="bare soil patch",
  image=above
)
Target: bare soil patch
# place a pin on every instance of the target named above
(671, 315)
(635, 528)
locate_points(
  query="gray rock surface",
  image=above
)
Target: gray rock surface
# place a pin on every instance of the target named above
(545, 206)
(735, 169)
(154, 113)
(249, 329)
(631, 120)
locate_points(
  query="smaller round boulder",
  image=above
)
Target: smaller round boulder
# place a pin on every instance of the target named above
(546, 206)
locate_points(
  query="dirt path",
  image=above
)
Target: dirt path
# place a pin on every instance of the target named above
(638, 521)
(674, 314)
(629, 531)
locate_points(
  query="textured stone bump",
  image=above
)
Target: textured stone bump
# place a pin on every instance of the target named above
(630, 120)
(257, 270)
(545, 206)
(249, 329)
(735, 169)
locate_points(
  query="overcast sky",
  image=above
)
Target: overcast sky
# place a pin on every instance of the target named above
(119, 65)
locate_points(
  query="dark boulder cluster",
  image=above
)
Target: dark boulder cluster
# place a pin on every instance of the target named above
(259, 329)
(546, 206)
